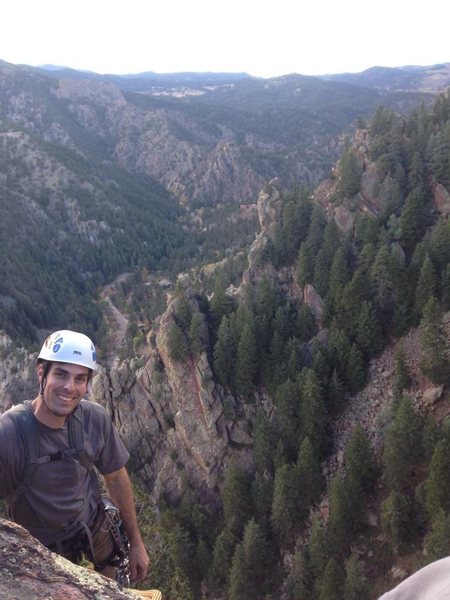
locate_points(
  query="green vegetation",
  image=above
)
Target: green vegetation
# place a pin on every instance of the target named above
(374, 283)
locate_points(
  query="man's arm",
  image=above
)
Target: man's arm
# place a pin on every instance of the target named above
(119, 488)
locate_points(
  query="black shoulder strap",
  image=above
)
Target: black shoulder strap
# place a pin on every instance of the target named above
(76, 441)
(26, 428)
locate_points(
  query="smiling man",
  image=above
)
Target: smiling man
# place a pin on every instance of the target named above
(50, 450)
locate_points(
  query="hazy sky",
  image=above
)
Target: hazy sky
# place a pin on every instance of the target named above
(262, 37)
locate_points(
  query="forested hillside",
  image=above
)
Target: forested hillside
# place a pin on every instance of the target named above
(104, 175)
(285, 523)
(234, 387)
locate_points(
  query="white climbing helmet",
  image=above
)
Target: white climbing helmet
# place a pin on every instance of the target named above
(69, 347)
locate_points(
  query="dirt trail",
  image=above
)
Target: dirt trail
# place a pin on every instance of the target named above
(117, 322)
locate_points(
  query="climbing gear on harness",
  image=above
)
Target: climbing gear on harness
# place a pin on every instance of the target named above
(69, 347)
(121, 545)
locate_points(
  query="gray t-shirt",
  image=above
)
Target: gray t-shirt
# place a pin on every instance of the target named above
(60, 492)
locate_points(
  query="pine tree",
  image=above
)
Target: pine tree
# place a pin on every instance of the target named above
(309, 475)
(355, 375)
(313, 415)
(319, 547)
(305, 265)
(414, 219)
(435, 347)
(221, 304)
(426, 287)
(224, 354)
(222, 556)
(287, 413)
(397, 521)
(264, 444)
(360, 472)
(356, 583)
(340, 519)
(368, 333)
(176, 343)
(331, 585)
(437, 486)
(402, 376)
(437, 540)
(238, 589)
(246, 361)
(262, 494)
(286, 513)
(336, 393)
(197, 333)
(402, 447)
(257, 560)
(236, 498)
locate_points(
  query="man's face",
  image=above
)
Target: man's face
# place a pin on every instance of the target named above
(65, 386)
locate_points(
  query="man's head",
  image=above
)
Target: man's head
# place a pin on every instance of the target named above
(65, 365)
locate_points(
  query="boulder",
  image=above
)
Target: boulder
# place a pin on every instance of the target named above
(29, 570)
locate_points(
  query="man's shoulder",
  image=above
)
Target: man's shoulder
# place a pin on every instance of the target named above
(94, 412)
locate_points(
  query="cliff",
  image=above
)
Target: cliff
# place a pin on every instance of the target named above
(29, 570)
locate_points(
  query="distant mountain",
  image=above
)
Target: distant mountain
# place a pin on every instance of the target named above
(101, 174)
(432, 79)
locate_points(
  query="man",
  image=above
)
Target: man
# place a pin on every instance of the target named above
(54, 493)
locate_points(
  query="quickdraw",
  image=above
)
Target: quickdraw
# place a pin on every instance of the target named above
(121, 543)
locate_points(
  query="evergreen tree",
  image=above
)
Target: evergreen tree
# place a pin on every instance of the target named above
(286, 513)
(309, 475)
(402, 447)
(264, 444)
(356, 583)
(437, 486)
(221, 303)
(383, 283)
(177, 343)
(355, 375)
(197, 333)
(397, 520)
(238, 589)
(246, 363)
(402, 377)
(336, 393)
(306, 326)
(360, 471)
(262, 494)
(287, 413)
(331, 585)
(426, 287)
(305, 265)
(301, 585)
(340, 521)
(319, 547)
(414, 219)
(437, 540)
(224, 354)
(368, 334)
(222, 556)
(313, 415)
(236, 498)
(435, 348)
(257, 561)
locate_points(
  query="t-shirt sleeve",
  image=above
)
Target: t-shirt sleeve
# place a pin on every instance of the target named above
(109, 451)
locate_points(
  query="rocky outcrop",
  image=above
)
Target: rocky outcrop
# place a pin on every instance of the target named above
(177, 423)
(29, 570)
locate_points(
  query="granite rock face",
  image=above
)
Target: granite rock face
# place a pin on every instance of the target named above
(29, 570)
